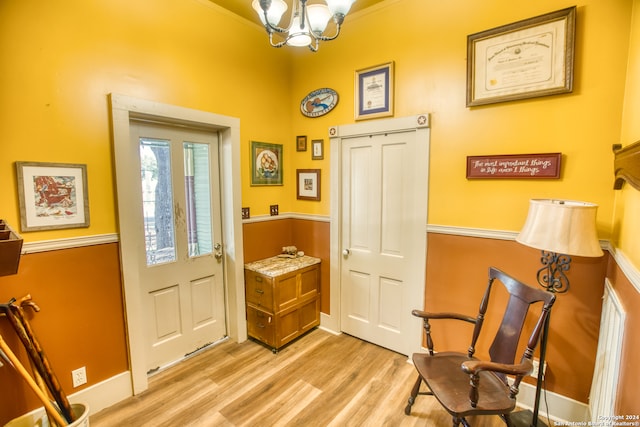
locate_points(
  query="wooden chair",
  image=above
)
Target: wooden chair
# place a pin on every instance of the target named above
(467, 386)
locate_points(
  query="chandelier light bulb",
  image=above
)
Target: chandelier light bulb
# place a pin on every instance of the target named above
(307, 24)
(275, 10)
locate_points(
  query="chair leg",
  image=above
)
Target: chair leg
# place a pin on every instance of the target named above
(507, 420)
(414, 393)
(458, 420)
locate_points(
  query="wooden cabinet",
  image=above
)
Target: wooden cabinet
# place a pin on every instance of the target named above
(282, 298)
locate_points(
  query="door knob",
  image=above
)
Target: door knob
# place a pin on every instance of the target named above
(345, 252)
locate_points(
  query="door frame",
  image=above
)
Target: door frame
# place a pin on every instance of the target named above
(421, 126)
(123, 110)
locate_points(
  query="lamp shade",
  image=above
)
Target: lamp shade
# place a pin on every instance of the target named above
(561, 226)
(319, 16)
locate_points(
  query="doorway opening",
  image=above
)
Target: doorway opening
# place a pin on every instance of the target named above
(126, 113)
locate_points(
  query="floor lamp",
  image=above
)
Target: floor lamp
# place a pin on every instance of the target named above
(560, 229)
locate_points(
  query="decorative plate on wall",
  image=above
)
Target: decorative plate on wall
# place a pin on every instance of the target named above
(319, 102)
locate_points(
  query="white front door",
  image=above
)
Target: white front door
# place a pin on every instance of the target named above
(383, 237)
(179, 236)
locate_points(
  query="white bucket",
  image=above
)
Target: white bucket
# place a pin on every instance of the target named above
(38, 418)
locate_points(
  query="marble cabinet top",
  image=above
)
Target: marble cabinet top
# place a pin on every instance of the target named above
(277, 266)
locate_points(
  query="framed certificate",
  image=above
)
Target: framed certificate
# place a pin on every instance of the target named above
(525, 59)
(374, 92)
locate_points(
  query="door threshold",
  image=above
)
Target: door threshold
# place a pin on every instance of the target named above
(157, 370)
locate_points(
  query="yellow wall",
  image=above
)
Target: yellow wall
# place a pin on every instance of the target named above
(61, 59)
(427, 41)
(627, 213)
(55, 80)
(59, 62)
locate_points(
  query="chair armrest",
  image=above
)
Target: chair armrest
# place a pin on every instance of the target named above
(427, 315)
(474, 366)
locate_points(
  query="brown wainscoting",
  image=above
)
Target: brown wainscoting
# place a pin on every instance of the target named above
(456, 277)
(264, 239)
(80, 323)
(627, 398)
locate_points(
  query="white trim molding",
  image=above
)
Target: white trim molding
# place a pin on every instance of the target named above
(420, 126)
(287, 215)
(487, 233)
(73, 242)
(630, 271)
(124, 109)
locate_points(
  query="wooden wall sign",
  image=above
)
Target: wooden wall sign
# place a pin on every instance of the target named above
(545, 165)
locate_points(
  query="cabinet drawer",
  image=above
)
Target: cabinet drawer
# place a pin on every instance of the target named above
(259, 290)
(261, 325)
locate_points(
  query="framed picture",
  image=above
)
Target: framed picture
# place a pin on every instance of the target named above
(52, 195)
(374, 92)
(266, 163)
(525, 59)
(301, 143)
(308, 184)
(317, 149)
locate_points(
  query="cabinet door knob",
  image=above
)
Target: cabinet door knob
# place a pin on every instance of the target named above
(346, 252)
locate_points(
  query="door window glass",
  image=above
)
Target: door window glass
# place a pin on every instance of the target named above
(198, 198)
(157, 201)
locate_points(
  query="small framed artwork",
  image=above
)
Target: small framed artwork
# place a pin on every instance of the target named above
(266, 163)
(301, 143)
(317, 149)
(525, 59)
(308, 184)
(374, 92)
(52, 195)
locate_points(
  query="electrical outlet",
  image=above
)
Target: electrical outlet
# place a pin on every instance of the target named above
(536, 367)
(274, 210)
(79, 376)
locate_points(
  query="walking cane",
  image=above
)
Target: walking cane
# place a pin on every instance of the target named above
(37, 356)
(26, 300)
(6, 353)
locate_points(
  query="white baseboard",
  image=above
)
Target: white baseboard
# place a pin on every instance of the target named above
(106, 393)
(562, 409)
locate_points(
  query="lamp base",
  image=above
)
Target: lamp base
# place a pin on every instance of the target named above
(524, 419)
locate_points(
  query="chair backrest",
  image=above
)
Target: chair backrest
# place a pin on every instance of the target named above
(521, 297)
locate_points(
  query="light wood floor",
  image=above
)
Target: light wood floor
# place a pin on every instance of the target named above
(319, 380)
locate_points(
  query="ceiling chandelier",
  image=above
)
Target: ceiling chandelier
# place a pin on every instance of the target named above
(308, 22)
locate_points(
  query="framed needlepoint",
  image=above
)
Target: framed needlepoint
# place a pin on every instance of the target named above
(266, 163)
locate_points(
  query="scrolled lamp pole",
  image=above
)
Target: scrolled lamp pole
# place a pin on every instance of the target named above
(552, 275)
(559, 229)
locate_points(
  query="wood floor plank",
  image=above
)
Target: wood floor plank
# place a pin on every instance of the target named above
(320, 379)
